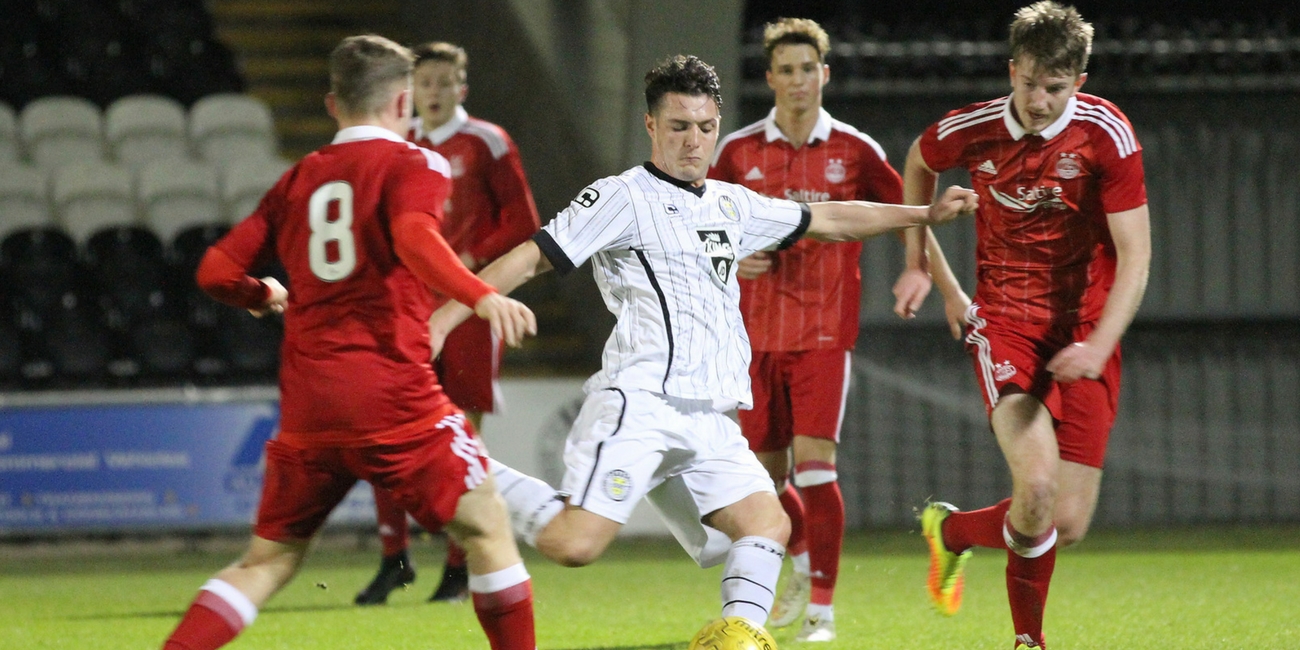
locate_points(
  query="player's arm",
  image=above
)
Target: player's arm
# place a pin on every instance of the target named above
(422, 249)
(223, 271)
(923, 252)
(505, 274)
(517, 214)
(840, 221)
(1131, 232)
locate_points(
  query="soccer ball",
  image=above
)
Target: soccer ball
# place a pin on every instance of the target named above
(732, 633)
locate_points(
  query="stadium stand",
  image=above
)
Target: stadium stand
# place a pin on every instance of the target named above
(144, 128)
(244, 184)
(230, 127)
(89, 197)
(8, 133)
(23, 200)
(174, 195)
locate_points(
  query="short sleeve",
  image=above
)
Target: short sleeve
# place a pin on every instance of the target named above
(770, 223)
(942, 153)
(600, 218)
(1123, 181)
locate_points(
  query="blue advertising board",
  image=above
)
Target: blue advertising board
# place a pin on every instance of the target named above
(185, 464)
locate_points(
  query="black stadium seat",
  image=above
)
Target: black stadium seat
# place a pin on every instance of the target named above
(130, 274)
(43, 270)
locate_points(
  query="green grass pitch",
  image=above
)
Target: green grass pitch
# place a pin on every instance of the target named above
(1209, 589)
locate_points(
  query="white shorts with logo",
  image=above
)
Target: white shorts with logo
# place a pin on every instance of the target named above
(688, 459)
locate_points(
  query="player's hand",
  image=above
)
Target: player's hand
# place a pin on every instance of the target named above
(954, 202)
(510, 319)
(910, 290)
(276, 302)
(753, 266)
(954, 309)
(1082, 360)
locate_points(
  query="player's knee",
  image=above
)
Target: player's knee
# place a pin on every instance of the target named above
(572, 553)
(1070, 530)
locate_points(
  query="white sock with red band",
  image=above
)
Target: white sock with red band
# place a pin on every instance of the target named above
(225, 600)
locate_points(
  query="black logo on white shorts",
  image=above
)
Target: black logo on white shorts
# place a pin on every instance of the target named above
(722, 256)
(587, 197)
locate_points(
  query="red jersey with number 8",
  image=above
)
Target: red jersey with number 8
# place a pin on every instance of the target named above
(356, 354)
(1045, 252)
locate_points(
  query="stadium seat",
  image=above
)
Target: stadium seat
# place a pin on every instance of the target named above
(146, 128)
(175, 195)
(130, 275)
(250, 346)
(231, 127)
(41, 267)
(164, 349)
(244, 184)
(9, 150)
(77, 345)
(90, 197)
(61, 130)
(23, 199)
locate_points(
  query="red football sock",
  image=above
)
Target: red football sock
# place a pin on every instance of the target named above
(503, 602)
(962, 530)
(793, 506)
(825, 535)
(209, 623)
(455, 554)
(393, 530)
(1027, 583)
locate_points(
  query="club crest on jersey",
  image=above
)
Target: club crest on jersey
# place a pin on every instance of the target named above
(1004, 371)
(457, 164)
(722, 256)
(618, 485)
(835, 171)
(587, 197)
(1067, 166)
(728, 207)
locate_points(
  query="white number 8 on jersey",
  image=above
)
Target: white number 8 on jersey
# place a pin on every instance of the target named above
(324, 231)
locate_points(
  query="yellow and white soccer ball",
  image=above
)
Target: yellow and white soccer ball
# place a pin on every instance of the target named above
(732, 633)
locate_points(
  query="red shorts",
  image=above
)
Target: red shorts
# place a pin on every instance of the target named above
(1011, 357)
(800, 393)
(426, 472)
(468, 366)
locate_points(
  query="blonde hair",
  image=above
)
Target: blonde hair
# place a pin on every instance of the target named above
(365, 70)
(1056, 37)
(786, 31)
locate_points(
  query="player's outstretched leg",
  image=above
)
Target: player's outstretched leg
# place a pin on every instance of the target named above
(228, 603)
(454, 586)
(395, 568)
(531, 502)
(946, 580)
(499, 584)
(789, 606)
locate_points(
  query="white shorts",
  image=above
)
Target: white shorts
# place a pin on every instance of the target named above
(686, 457)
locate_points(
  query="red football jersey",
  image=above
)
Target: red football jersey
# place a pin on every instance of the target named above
(356, 351)
(810, 298)
(491, 209)
(1044, 250)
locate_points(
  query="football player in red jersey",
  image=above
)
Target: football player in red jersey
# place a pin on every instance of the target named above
(801, 307)
(1064, 246)
(490, 211)
(355, 225)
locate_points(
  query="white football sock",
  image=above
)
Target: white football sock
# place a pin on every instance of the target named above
(823, 612)
(749, 578)
(531, 502)
(802, 565)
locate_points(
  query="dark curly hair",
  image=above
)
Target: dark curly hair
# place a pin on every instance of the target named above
(683, 74)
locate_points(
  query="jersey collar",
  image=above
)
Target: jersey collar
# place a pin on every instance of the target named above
(444, 132)
(663, 176)
(821, 130)
(365, 132)
(1054, 129)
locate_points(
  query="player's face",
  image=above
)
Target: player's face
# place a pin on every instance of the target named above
(438, 91)
(1039, 96)
(796, 76)
(683, 134)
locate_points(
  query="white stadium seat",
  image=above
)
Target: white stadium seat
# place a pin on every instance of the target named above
(89, 197)
(59, 130)
(174, 195)
(228, 127)
(244, 184)
(24, 202)
(145, 128)
(9, 150)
